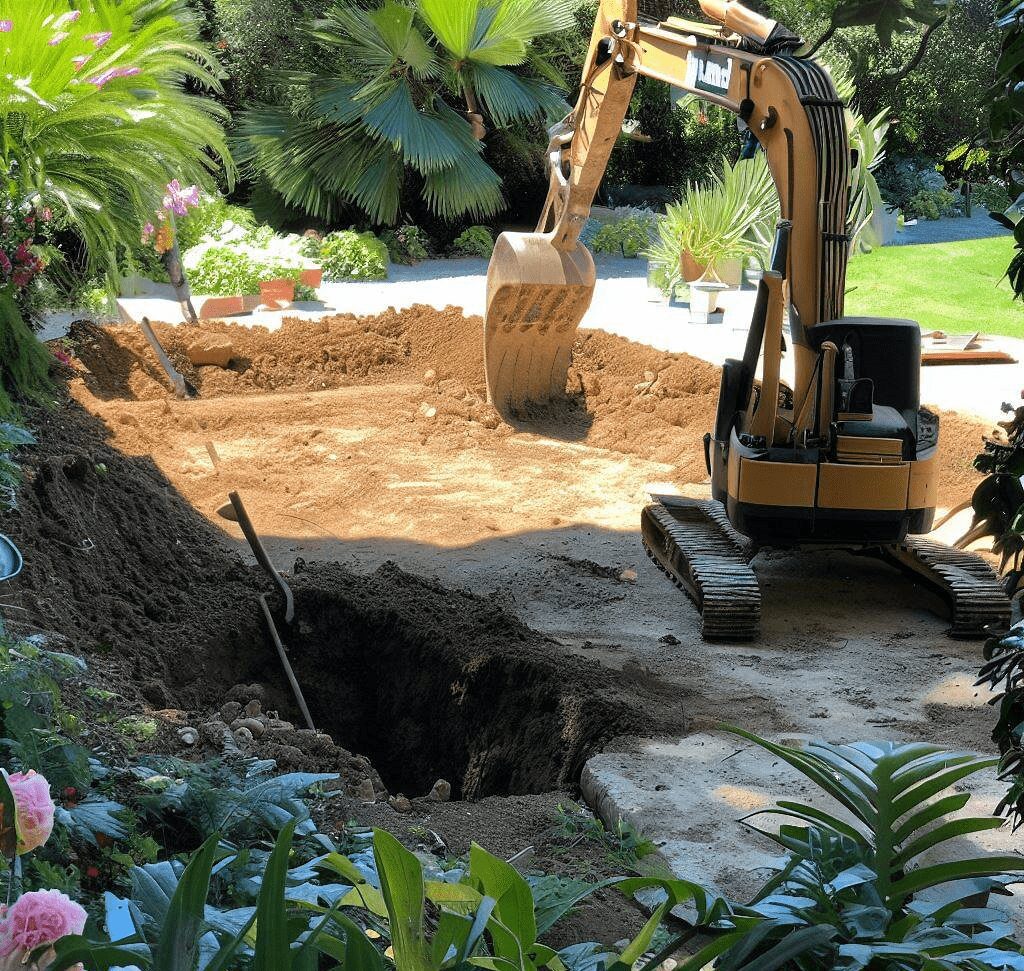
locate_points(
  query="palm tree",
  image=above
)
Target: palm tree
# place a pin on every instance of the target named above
(403, 89)
(95, 116)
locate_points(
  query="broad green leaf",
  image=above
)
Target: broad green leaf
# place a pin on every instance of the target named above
(514, 929)
(273, 942)
(178, 945)
(8, 820)
(947, 831)
(940, 873)
(401, 884)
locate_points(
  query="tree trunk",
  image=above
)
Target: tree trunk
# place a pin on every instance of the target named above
(176, 271)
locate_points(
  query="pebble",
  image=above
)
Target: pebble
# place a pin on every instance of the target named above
(669, 639)
(427, 411)
(430, 377)
(400, 804)
(188, 735)
(243, 736)
(442, 791)
(230, 711)
(279, 725)
(253, 708)
(252, 725)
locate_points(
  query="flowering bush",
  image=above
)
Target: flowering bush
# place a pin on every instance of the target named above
(33, 809)
(20, 263)
(37, 919)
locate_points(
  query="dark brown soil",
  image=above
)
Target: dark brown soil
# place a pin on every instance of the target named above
(432, 683)
(429, 682)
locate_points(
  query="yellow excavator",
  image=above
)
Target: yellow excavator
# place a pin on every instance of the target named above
(846, 457)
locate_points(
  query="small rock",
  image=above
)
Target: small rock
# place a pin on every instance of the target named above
(253, 708)
(430, 377)
(214, 731)
(365, 792)
(649, 377)
(400, 804)
(254, 726)
(669, 639)
(278, 725)
(210, 350)
(243, 736)
(628, 576)
(230, 711)
(442, 792)
(188, 735)
(427, 411)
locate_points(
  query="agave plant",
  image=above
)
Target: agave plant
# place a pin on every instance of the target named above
(403, 89)
(1003, 673)
(727, 218)
(95, 113)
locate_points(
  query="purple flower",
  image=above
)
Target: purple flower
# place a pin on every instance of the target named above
(99, 39)
(115, 72)
(6, 26)
(58, 39)
(178, 200)
(66, 18)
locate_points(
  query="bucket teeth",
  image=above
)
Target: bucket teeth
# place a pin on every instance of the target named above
(691, 540)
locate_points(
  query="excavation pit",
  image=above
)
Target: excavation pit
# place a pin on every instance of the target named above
(430, 683)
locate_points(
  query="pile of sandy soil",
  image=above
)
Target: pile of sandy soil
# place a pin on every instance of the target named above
(623, 396)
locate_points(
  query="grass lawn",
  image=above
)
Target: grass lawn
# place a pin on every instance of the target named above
(955, 287)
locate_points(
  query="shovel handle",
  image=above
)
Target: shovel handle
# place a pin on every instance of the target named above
(260, 552)
(180, 387)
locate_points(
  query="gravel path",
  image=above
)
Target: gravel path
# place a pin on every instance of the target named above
(979, 226)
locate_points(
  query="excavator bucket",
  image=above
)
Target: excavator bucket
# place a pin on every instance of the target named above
(537, 295)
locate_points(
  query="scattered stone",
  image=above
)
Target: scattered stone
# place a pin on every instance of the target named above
(210, 350)
(669, 639)
(400, 804)
(188, 735)
(628, 576)
(230, 711)
(430, 377)
(365, 792)
(253, 725)
(214, 731)
(278, 725)
(442, 792)
(243, 736)
(427, 411)
(253, 708)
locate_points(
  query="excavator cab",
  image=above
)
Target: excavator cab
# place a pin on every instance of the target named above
(845, 456)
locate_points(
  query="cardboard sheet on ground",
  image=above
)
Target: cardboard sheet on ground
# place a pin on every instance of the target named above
(941, 348)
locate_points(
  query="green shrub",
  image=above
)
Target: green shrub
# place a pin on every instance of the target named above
(406, 245)
(626, 237)
(991, 196)
(349, 254)
(208, 219)
(224, 272)
(475, 241)
(932, 204)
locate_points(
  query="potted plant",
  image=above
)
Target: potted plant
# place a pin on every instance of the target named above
(716, 227)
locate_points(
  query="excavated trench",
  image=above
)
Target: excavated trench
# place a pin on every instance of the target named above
(430, 683)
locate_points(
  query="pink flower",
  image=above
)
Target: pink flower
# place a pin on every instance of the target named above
(115, 72)
(81, 60)
(33, 806)
(5, 263)
(99, 39)
(178, 200)
(47, 214)
(58, 39)
(39, 918)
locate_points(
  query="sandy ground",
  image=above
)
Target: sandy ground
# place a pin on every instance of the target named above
(405, 467)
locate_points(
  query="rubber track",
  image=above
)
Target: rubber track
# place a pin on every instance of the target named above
(692, 541)
(972, 588)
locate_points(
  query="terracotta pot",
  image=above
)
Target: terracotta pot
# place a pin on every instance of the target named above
(221, 306)
(277, 294)
(728, 271)
(312, 277)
